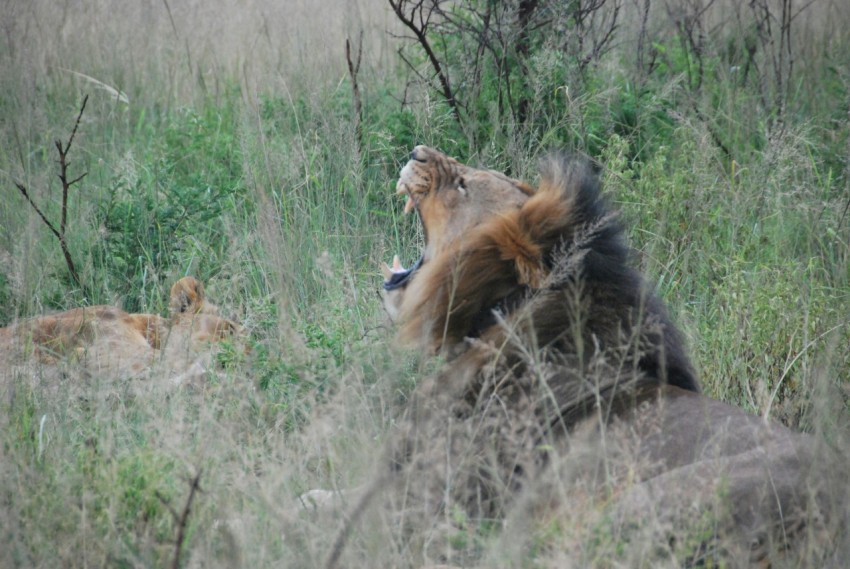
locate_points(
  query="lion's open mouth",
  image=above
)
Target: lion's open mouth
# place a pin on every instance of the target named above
(396, 276)
(399, 276)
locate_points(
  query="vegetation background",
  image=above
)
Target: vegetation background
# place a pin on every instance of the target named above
(237, 142)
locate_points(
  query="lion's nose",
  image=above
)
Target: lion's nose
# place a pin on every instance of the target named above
(418, 154)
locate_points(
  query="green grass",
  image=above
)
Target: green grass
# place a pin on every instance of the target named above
(237, 163)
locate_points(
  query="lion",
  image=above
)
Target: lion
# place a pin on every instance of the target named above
(560, 363)
(106, 341)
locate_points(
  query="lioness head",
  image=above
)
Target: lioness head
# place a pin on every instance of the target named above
(187, 296)
(195, 317)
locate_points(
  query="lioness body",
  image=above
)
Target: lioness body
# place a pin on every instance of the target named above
(554, 344)
(107, 341)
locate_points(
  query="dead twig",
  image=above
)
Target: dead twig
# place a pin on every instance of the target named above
(60, 233)
(688, 18)
(774, 32)
(594, 25)
(417, 22)
(182, 519)
(353, 71)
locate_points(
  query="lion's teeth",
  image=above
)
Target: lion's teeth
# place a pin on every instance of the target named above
(408, 206)
(388, 271)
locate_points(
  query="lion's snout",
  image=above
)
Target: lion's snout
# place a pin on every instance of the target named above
(419, 154)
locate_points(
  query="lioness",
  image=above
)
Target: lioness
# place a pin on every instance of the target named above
(565, 378)
(107, 341)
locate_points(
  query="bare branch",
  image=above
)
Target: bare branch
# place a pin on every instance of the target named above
(419, 29)
(644, 68)
(353, 70)
(66, 186)
(410, 64)
(76, 124)
(63, 168)
(688, 19)
(182, 519)
(77, 179)
(23, 191)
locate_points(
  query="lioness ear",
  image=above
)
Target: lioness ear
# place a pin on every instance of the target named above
(186, 294)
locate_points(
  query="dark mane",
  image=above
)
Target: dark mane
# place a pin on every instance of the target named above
(609, 277)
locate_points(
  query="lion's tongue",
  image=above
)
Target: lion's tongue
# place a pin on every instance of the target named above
(397, 276)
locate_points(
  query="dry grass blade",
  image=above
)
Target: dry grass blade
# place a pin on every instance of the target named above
(116, 94)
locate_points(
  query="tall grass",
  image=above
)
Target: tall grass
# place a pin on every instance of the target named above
(219, 142)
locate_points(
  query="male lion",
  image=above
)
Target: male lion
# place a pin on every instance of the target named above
(565, 379)
(106, 341)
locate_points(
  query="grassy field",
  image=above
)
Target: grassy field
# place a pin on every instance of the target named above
(219, 140)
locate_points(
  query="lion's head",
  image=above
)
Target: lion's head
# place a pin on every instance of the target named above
(451, 198)
(565, 381)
